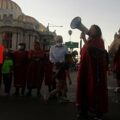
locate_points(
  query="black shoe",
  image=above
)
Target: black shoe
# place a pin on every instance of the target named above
(81, 116)
(97, 118)
(29, 94)
(39, 95)
(22, 91)
(16, 94)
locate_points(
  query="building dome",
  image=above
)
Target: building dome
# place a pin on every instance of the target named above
(32, 22)
(8, 7)
(28, 19)
(42, 28)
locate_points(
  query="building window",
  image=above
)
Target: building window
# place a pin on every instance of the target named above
(10, 16)
(4, 16)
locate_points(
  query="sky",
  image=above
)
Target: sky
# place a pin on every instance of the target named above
(56, 13)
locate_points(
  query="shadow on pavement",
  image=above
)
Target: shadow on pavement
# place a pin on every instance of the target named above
(23, 108)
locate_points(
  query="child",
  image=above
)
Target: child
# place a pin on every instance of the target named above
(7, 72)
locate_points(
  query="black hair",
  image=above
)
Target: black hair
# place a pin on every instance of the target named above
(98, 31)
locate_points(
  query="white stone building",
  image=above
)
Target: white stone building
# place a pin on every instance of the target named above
(16, 27)
(115, 44)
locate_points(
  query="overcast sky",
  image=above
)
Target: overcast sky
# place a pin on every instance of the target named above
(105, 13)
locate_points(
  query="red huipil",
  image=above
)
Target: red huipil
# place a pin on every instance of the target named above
(48, 71)
(116, 66)
(35, 72)
(90, 84)
(20, 68)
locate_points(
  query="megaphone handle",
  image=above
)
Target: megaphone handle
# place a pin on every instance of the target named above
(83, 37)
(80, 43)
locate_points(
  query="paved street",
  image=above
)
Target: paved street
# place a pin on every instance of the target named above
(34, 108)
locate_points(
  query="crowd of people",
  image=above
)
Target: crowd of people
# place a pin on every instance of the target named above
(30, 68)
(27, 70)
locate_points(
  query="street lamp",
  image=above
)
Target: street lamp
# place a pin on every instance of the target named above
(51, 25)
(70, 33)
(49, 34)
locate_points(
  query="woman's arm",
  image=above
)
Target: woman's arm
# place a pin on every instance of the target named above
(82, 36)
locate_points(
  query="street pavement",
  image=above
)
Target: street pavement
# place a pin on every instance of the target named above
(34, 108)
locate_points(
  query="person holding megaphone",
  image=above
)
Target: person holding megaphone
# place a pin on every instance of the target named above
(91, 93)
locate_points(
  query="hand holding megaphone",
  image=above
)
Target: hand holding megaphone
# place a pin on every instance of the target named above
(76, 24)
(82, 35)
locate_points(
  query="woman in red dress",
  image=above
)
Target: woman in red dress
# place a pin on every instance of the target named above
(35, 72)
(117, 68)
(91, 93)
(48, 73)
(20, 67)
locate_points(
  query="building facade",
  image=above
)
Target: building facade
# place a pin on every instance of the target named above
(16, 27)
(115, 44)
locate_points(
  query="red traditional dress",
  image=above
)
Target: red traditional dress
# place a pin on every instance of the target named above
(92, 79)
(116, 66)
(35, 72)
(48, 73)
(20, 68)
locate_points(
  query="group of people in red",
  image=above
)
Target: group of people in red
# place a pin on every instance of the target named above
(32, 67)
(28, 69)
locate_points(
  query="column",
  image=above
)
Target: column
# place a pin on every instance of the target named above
(26, 41)
(29, 41)
(19, 40)
(32, 41)
(14, 41)
(21, 37)
(1, 38)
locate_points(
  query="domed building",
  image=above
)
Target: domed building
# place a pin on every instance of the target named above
(112, 49)
(16, 27)
(115, 44)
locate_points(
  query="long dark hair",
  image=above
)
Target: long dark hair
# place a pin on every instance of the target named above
(98, 32)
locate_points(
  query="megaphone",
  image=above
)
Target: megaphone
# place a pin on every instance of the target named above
(76, 23)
